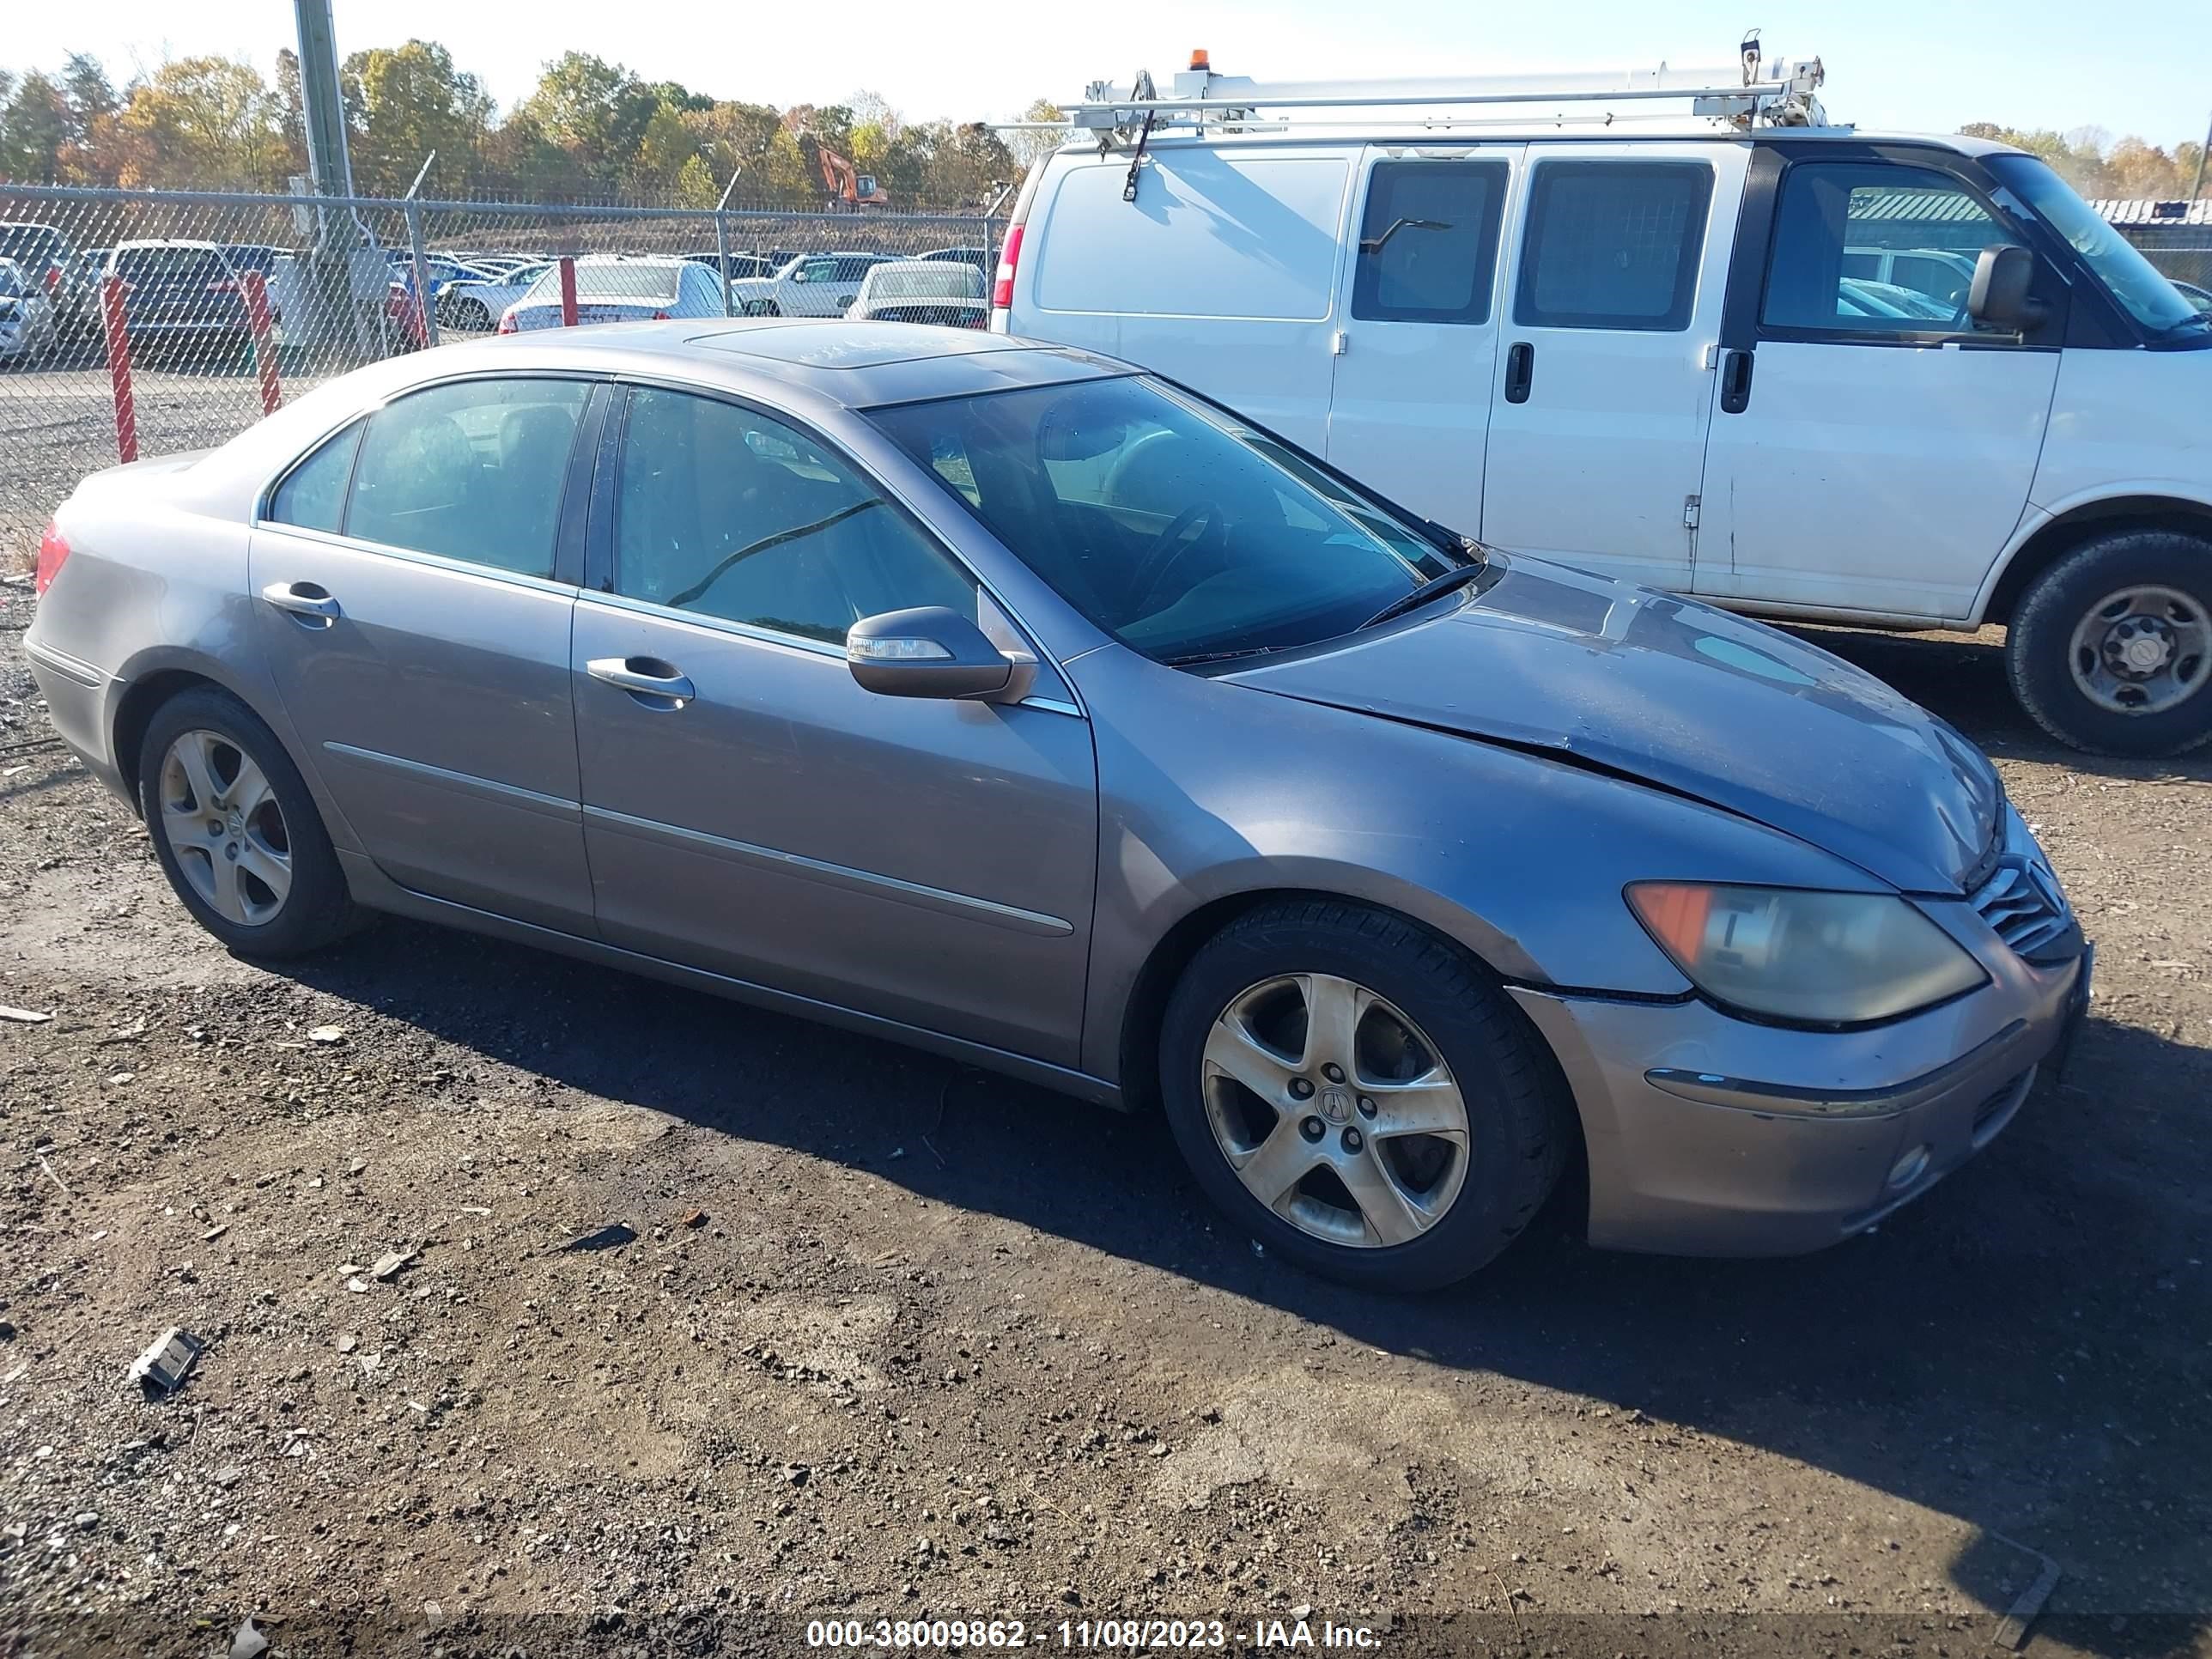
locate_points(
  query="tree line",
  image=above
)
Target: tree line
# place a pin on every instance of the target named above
(591, 130)
(588, 130)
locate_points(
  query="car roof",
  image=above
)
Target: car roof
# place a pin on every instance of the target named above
(852, 365)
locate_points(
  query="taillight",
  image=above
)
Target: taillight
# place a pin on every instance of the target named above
(506, 323)
(53, 549)
(659, 316)
(1002, 292)
(54, 277)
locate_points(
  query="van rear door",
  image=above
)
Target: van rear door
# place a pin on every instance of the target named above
(1417, 340)
(1620, 261)
(1220, 273)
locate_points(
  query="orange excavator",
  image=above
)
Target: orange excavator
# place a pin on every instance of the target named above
(841, 182)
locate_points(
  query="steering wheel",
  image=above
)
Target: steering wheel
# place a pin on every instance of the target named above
(1167, 551)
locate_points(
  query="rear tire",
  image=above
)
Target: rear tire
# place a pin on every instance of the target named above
(236, 830)
(1438, 1137)
(2110, 650)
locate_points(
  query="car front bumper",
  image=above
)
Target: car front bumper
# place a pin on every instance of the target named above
(1709, 1135)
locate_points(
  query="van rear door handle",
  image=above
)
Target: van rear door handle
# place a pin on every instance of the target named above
(1735, 382)
(1520, 371)
(651, 681)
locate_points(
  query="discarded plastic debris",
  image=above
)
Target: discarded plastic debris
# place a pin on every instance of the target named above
(390, 1262)
(164, 1366)
(249, 1643)
(327, 1034)
(606, 1238)
(24, 1016)
(2012, 1631)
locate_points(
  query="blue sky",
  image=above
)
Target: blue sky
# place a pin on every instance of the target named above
(2144, 67)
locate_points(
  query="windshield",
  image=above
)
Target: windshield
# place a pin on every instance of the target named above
(28, 241)
(2133, 280)
(183, 266)
(930, 282)
(637, 282)
(1171, 525)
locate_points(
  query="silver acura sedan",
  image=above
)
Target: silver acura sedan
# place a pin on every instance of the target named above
(1006, 701)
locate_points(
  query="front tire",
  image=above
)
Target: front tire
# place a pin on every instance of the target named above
(236, 831)
(2110, 650)
(1358, 1095)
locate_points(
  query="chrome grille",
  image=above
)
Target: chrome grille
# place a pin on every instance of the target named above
(2021, 902)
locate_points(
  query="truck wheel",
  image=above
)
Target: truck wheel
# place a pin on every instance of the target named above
(2110, 650)
(1358, 1095)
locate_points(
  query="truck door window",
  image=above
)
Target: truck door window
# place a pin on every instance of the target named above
(1428, 242)
(1875, 248)
(1613, 244)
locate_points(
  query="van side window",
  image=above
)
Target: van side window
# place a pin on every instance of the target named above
(1613, 244)
(1428, 243)
(1871, 247)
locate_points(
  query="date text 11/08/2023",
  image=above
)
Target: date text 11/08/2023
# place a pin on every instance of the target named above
(1085, 1635)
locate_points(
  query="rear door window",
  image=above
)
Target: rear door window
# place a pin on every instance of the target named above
(472, 471)
(1428, 242)
(313, 494)
(1613, 244)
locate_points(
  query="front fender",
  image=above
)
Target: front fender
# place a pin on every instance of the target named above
(2145, 493)
(1210, 790)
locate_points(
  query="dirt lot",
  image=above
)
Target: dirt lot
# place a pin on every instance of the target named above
(946, 1346)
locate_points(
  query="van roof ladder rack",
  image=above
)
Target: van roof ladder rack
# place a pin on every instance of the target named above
(1735, 95)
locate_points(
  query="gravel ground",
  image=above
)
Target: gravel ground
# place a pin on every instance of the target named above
(896, 1340)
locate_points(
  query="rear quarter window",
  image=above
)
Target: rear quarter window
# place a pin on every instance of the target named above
(1209, 235)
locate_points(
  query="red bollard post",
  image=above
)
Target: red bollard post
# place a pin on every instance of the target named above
(264, 344)
(112, 290)
(568, 291)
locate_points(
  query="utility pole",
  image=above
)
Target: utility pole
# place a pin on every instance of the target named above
(2197, 188)
(322, 103)
(330, 170)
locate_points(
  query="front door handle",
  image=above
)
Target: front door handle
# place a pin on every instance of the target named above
(653, 683)
(1735, 382)
(303, 599)
(1520, 371)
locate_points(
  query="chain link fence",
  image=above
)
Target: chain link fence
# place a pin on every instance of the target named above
(140, 323)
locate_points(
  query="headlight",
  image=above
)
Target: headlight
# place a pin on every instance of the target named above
(1819, 958)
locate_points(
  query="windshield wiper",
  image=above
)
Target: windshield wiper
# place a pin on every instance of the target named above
(1435, 589)
(1195, 658)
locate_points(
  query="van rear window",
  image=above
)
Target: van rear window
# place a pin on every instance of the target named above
(1209, 235)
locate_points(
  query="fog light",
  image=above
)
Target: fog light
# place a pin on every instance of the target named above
(1910, 1167)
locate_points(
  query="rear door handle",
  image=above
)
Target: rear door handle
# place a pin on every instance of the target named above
(303, 599)
(1735, 382)
(651, 681)
(1520, 371)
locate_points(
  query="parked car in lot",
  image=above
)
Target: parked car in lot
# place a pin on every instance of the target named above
(810, 285)
(950, 295)
(1003, 700)
(477, 304)
(1793, 368)
(181, 300)
(52, 265)
(28, 331)
(615, 288)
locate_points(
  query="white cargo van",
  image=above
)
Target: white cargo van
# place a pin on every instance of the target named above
(1783, 365)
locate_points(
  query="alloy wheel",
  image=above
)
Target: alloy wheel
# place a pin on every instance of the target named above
(1335, 1110)
(220, 818)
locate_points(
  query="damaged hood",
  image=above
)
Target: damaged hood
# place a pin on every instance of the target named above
(1683, 696)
